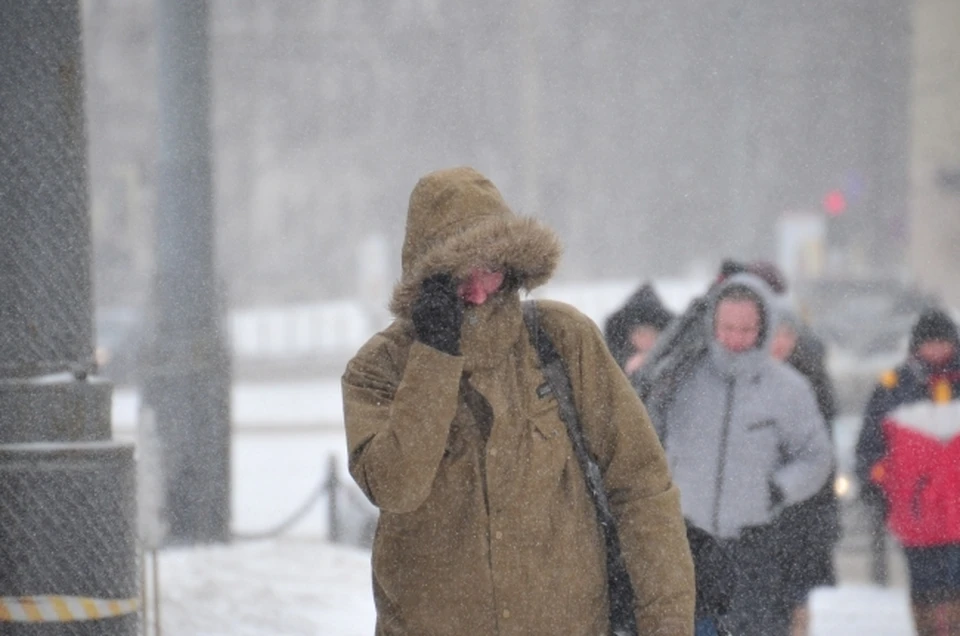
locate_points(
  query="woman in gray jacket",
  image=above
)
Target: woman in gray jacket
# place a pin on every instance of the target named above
(744, 439)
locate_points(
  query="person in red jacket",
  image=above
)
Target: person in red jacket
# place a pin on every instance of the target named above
(908, 454)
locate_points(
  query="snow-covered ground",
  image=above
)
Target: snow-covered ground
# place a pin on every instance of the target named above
(289, 587)
(306, 587)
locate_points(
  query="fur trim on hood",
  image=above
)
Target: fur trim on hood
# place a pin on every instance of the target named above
(457, 220)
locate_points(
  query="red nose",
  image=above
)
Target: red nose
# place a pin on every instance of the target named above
(479, 285)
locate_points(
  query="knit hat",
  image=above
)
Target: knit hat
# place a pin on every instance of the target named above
(933, 324)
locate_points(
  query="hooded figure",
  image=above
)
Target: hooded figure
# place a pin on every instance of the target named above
(744, 439)
(908, 455)
(643, 312)
(485, 523)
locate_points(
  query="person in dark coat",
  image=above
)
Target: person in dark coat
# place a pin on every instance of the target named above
(810, 529)
(907, 455)
(632, 330)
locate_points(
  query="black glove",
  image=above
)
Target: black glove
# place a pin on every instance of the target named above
(438, 314)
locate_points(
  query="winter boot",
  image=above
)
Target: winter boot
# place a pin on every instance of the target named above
(931, 619)
(953, 617)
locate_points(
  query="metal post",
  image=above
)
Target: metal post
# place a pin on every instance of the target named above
(740, 161)
(333, 511)
(67, 494)
(186, 381)
(877, 531)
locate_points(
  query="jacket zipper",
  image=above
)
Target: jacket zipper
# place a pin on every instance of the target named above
(722, 459)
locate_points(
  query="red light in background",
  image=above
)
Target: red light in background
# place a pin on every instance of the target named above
(834, 203)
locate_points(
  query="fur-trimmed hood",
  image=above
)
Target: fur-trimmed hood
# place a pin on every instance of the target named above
(458, 220)
(768, 309)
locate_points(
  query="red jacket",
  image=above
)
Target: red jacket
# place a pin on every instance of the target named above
(910, 448)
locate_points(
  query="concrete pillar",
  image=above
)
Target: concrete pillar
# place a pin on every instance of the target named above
(935, 148)
(68, 532)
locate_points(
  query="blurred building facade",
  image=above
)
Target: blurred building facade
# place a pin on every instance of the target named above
(650, 135)
(935, 147)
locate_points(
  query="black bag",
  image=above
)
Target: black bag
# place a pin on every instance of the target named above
(623, 621)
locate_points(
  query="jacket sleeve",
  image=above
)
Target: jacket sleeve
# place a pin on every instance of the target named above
(397, 420)
(871, 444)
(806, 445)
(644, 499)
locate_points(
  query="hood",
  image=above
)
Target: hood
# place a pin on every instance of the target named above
(747, 362)
(768, 312)
(933, 324)
(643, 308)
(458, 220)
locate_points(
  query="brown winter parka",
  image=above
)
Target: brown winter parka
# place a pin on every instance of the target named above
(485, 523)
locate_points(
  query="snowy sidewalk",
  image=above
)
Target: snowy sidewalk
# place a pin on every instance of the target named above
(305, 587)
(860, 610)
(288, 587)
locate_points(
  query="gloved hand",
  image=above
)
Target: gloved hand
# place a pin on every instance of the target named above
(438, 314)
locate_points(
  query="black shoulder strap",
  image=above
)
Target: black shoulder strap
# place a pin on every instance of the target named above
(555, 372)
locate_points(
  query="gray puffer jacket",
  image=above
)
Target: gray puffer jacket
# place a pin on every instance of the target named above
(740, 424)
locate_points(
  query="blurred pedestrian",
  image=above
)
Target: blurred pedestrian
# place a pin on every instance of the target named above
(632, 330)
(810, 529)
(486, 525)
(744, 440)
(909, 453)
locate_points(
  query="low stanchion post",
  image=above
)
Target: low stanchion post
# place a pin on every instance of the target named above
(333, 484)
(155, 567)
(878, 544)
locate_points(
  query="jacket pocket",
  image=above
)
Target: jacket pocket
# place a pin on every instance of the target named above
(550, 446)
(544, 419)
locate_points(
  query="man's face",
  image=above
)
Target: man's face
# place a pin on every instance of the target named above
(936, 353)
(736, 325)
(479, 285)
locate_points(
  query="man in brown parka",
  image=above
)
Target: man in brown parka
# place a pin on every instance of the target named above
(485, 523)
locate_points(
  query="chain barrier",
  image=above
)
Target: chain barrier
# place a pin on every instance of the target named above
(335, 491)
